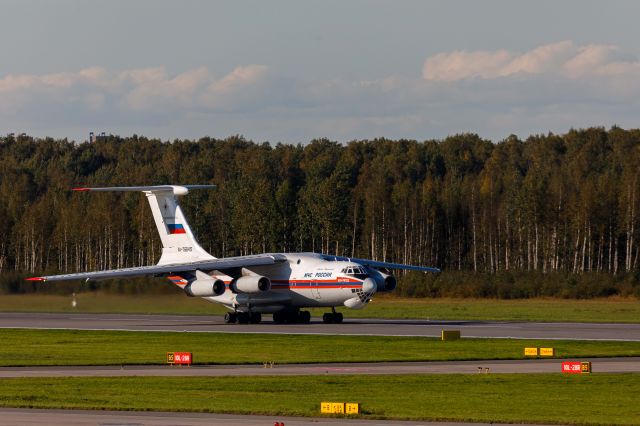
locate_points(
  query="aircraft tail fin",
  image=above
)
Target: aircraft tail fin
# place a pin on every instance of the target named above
(178, 242)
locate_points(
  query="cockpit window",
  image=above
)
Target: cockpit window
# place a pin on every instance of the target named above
(356, 271)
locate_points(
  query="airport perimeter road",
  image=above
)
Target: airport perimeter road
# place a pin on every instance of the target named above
(23, 417)
(371, 327)
(599, 365)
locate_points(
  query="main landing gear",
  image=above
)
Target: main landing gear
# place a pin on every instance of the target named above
(292, 317)
(332, 317)
(242, 317)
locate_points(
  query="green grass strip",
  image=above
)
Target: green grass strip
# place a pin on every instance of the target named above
(613, 309)
(536, 398)
(24, 347)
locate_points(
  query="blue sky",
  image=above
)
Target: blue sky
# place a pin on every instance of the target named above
(291, 71)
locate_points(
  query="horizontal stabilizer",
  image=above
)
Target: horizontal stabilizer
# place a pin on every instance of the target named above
(176, 189)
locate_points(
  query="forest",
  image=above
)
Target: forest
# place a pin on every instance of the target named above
(551, 215)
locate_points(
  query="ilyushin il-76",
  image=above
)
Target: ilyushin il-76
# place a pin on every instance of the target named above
(280, 284)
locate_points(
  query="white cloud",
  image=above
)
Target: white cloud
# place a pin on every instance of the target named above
(239, 77)
(137, 90)
(547, 58)
(494, 93)
(152, 88)
(560, 59)
(459, 65)
(604, 60)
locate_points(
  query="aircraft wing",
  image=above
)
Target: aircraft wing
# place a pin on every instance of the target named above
(376, 264)
(206, 265)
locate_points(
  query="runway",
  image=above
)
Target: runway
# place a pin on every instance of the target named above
(361, 327)
(599, 365)
(23, 417)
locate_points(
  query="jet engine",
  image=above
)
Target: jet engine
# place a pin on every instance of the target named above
(205, 288)
(389, 282)
(251, 284)
(385, 282)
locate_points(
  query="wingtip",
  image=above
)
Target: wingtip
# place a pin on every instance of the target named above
(79, 189)
(35, 279)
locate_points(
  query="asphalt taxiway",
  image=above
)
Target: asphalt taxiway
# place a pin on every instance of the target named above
(362, 327)
(22, 417)
(600, 365)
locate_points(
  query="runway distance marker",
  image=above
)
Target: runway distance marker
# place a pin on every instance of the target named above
(179, 358)
(576, 367)
(352, 408)
(547, 352)
(337, 407)
(539, 352)
(340, 407)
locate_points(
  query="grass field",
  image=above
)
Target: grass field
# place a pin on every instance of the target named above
(66, 347)
(387, 306)
(536, 398)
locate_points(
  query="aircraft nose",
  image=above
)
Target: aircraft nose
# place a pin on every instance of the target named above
(369, 286)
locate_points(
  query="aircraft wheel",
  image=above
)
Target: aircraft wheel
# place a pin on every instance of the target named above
(292, 317)
(256, 317)
(243, 318)
(305, 317)
(327, 318)
(278, 317)
(230, 318)
(338, 317)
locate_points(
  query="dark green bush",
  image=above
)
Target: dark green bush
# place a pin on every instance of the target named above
(518, 285)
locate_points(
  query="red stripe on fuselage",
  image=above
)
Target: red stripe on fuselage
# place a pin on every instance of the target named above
(335, 280)
(337, 283)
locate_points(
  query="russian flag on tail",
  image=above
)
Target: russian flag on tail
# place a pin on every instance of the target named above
(176, 228)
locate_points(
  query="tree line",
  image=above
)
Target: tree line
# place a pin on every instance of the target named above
(551, 205)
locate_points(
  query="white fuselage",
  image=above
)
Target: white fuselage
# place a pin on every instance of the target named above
(305, 280)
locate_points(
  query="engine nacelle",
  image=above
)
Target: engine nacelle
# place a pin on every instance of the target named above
(389, 283)
(205, 288)
(251, 284)
(385, 282)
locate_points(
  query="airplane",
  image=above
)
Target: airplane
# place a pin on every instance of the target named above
(280, 284)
